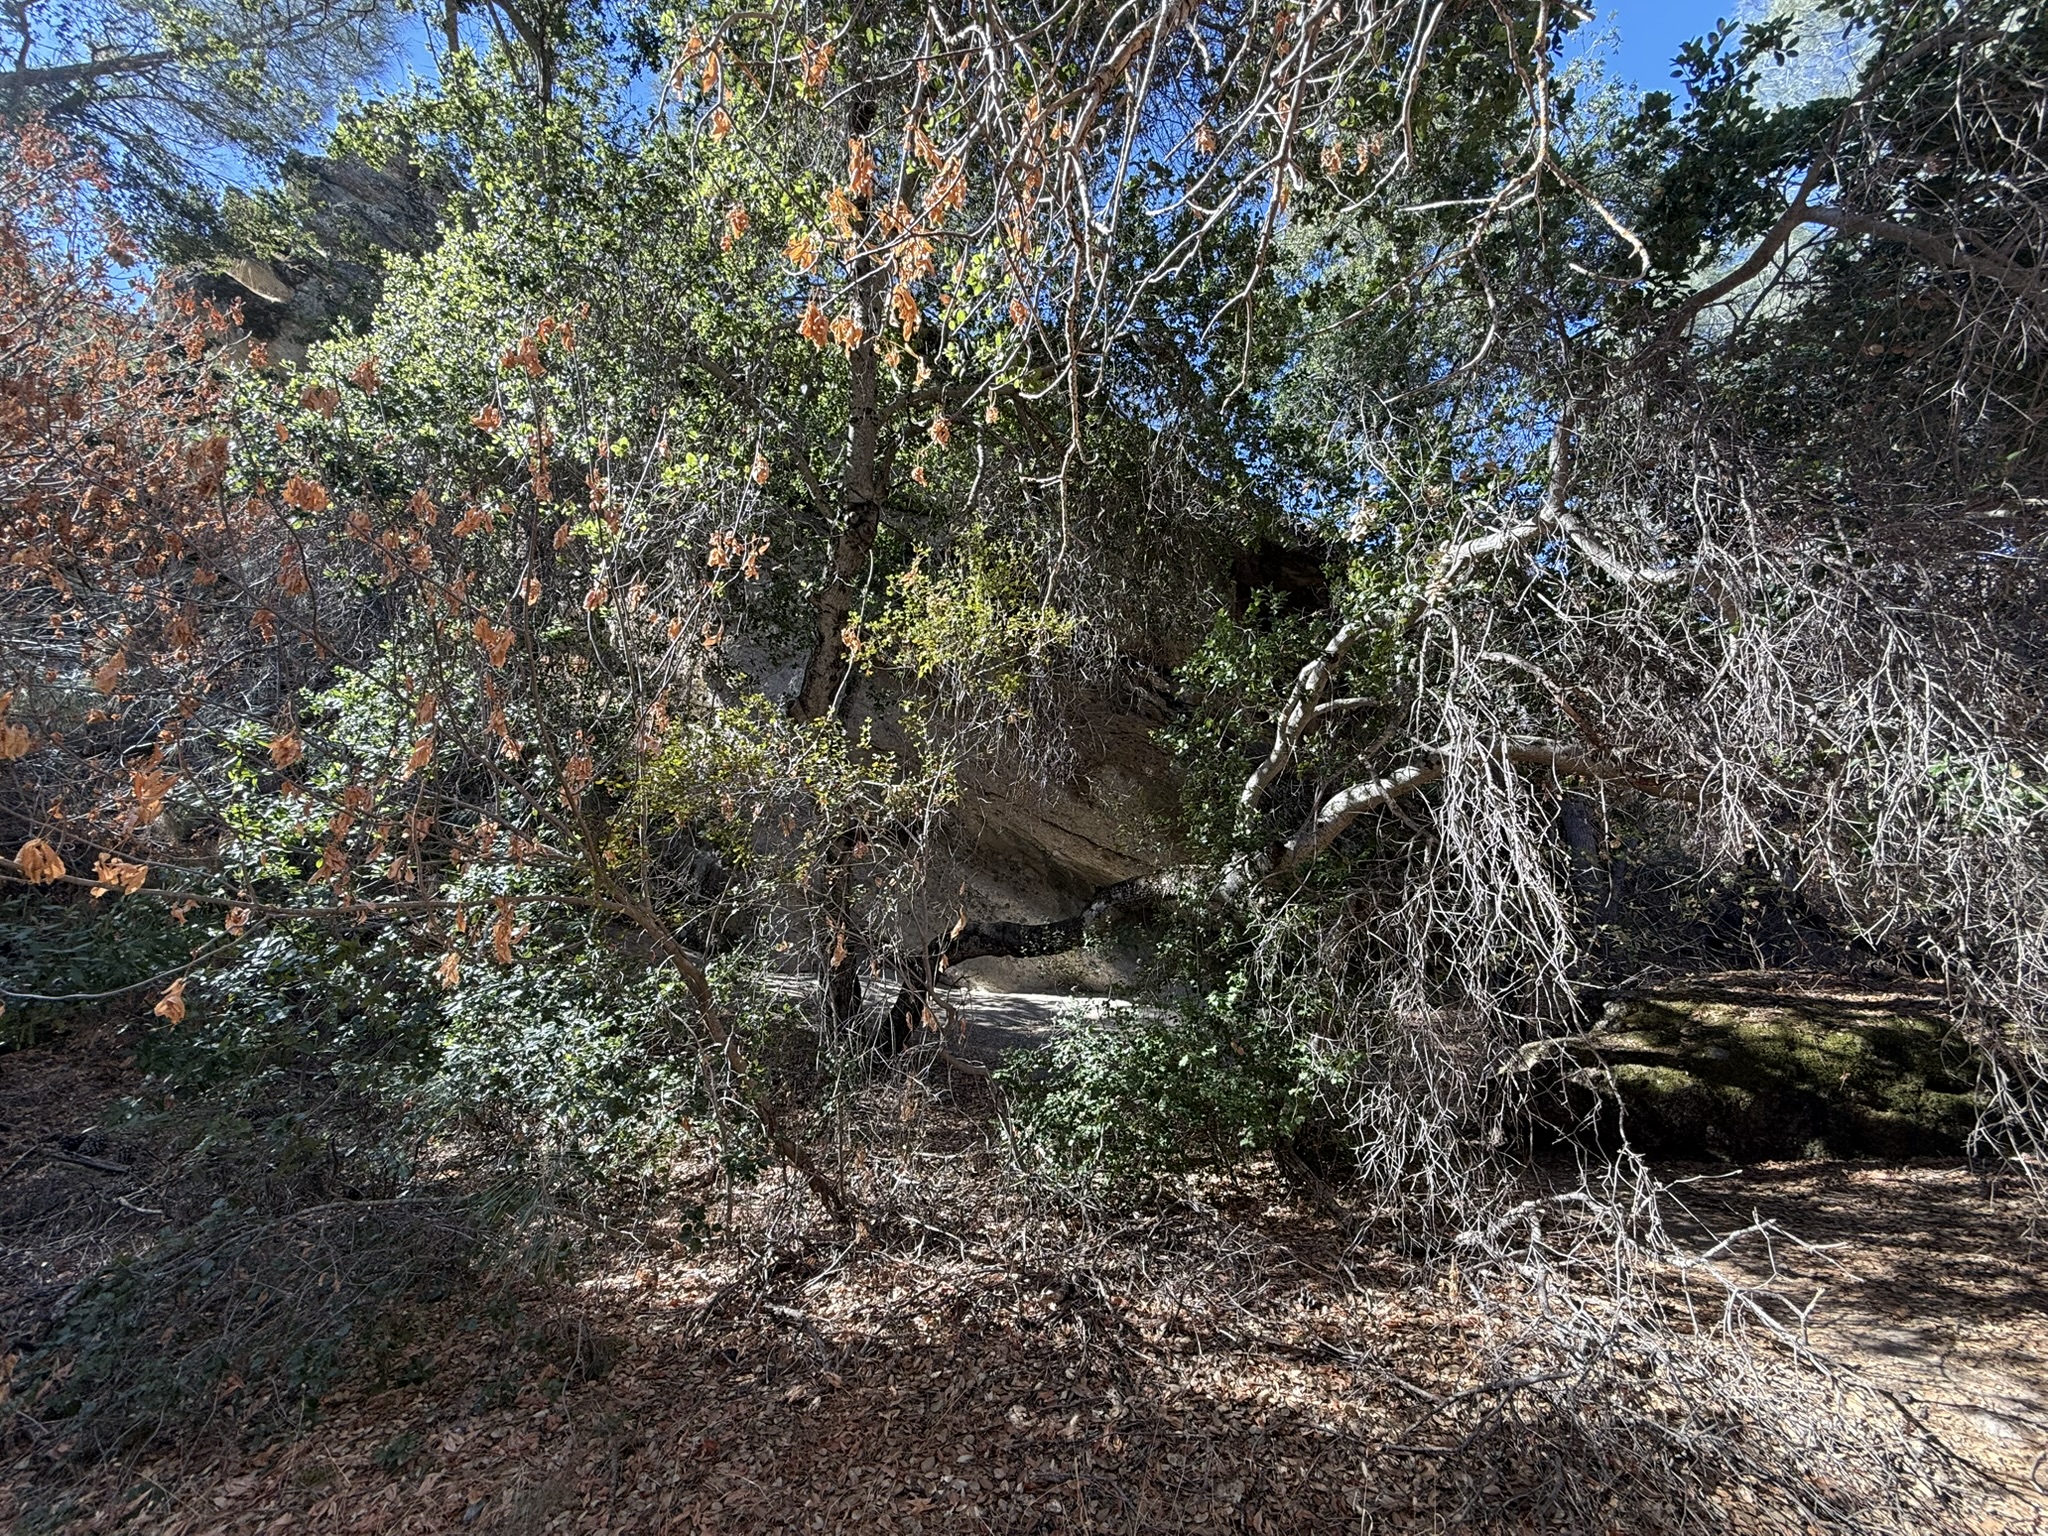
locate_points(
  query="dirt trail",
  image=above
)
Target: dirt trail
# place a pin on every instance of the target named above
(1227, 1363)
(1928, 1280)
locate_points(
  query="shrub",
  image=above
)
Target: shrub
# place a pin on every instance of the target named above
(86, 954)
(1209, 1083)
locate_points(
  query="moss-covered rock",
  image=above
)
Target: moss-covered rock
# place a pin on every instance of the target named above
(1737, 1070)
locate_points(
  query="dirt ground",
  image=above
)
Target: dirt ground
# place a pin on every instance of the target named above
(1229, 1361)
(1926, 1277)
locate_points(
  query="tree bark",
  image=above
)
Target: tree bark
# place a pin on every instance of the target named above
(861, 485)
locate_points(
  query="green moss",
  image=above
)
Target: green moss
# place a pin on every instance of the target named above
(1736, 1073)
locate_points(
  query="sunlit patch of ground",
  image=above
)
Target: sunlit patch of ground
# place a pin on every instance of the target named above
(1931, 1280)
(986, 1359)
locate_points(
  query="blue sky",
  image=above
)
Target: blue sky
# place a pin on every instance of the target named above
(1646, 34)
(1651, 31)
(1638, 38)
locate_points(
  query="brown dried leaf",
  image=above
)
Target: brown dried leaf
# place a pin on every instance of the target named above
(306, 495)
(39, 862)
(107, 676)
(422, 754)
(171, 1006)
(117, 874)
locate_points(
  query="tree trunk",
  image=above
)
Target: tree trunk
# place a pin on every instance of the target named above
(861, 487)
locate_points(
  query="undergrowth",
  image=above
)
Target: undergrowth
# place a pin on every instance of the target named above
(323, 1140)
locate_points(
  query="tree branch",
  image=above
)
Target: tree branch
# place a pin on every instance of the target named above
(1946, 251)
(20, 80)
(1298, 713)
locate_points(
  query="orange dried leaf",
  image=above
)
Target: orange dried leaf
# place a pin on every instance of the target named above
(149, 786)
(286, 749)
(860, 168)
(39, 862)
(803, 251)
(116, 874)
(497, 643)
(817, 60)
(842, 211)
(171, 1006)
(422, 754)
(905, 305)
(306, 495)
(107, 676)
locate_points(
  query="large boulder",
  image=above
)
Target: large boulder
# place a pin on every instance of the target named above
(1754, 1067)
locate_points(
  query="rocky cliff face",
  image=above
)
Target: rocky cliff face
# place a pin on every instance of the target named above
(1020, 848)
(315, 249)
(310, 256)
